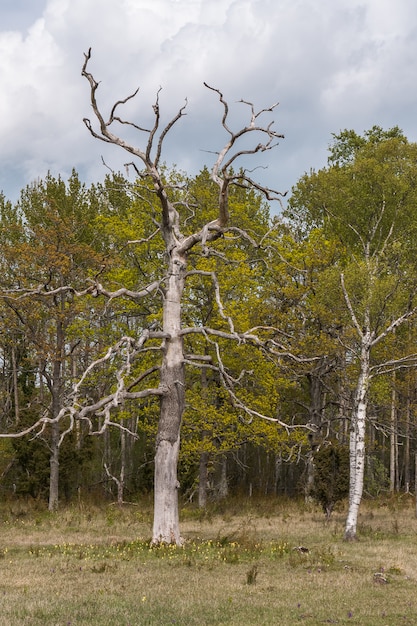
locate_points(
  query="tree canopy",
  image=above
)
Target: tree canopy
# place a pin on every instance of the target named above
(139, 311)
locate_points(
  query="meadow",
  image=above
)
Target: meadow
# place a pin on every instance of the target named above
(246, 562)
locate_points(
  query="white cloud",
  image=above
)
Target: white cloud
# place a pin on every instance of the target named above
(332, 65)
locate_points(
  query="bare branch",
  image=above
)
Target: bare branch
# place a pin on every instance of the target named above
(95, 290)
(41, 423)
(225, 107)
(216, 285)
(166, 131)
(74, 409)
(270, 346)
(229, 383)
(99, 290)
(226, 157)
(19, 293)
(270, 194)
(394, 365)
(349, 306)
(395, 324)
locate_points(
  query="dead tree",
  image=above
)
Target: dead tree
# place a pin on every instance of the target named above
(178, 246)
(171, 226)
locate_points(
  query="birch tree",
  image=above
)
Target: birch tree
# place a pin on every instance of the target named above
(367, 198)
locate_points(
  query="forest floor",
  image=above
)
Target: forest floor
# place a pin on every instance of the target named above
(248, 562)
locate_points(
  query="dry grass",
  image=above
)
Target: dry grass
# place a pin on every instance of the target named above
(93, 566)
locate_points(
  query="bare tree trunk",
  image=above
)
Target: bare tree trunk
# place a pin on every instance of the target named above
(121, 481)
(204, 456)
(54, 468)
(54, 441)
(310, 476)
(223, 488)
(393, 469)
(357, 443)
(15, 387)
(202, 480)
(73, 368)
(415, 481)
(316, 409)
(407, 443)
(54, 458)
(166, 519)
(56, 392)
(41, 382)
(277, 472)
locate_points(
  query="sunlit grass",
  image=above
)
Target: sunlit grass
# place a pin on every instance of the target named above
(248, 563)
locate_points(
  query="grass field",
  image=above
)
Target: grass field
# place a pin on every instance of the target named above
(239, 566)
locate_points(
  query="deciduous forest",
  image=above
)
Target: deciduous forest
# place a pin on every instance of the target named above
(280, 341)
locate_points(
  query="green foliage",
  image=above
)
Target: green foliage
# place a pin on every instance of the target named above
(30, 471)
(370, 185)
(347, 144)
(376, 477)
(282, 279)
(331, 475)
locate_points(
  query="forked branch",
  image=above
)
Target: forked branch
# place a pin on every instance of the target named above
(227, 156)
(105, 134)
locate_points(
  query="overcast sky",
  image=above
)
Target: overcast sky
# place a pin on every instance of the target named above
(331, 65)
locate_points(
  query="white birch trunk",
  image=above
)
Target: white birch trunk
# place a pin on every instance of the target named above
(357, 444)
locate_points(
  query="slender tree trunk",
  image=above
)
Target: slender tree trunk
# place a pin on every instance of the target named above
(54, 469)
(121, 481)
(315, 417)
(204, 456)
(56, 392)
(223, 487)
(357, 444)
(54, 458)
(166, 518)
(407, 443)
(310, 476)
(202, 480)
(54, 443)
(393, 440)
(277, 473)
(15, 387)
(41, 382)
(415, 481)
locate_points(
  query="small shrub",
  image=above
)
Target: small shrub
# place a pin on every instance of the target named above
(331, 476)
